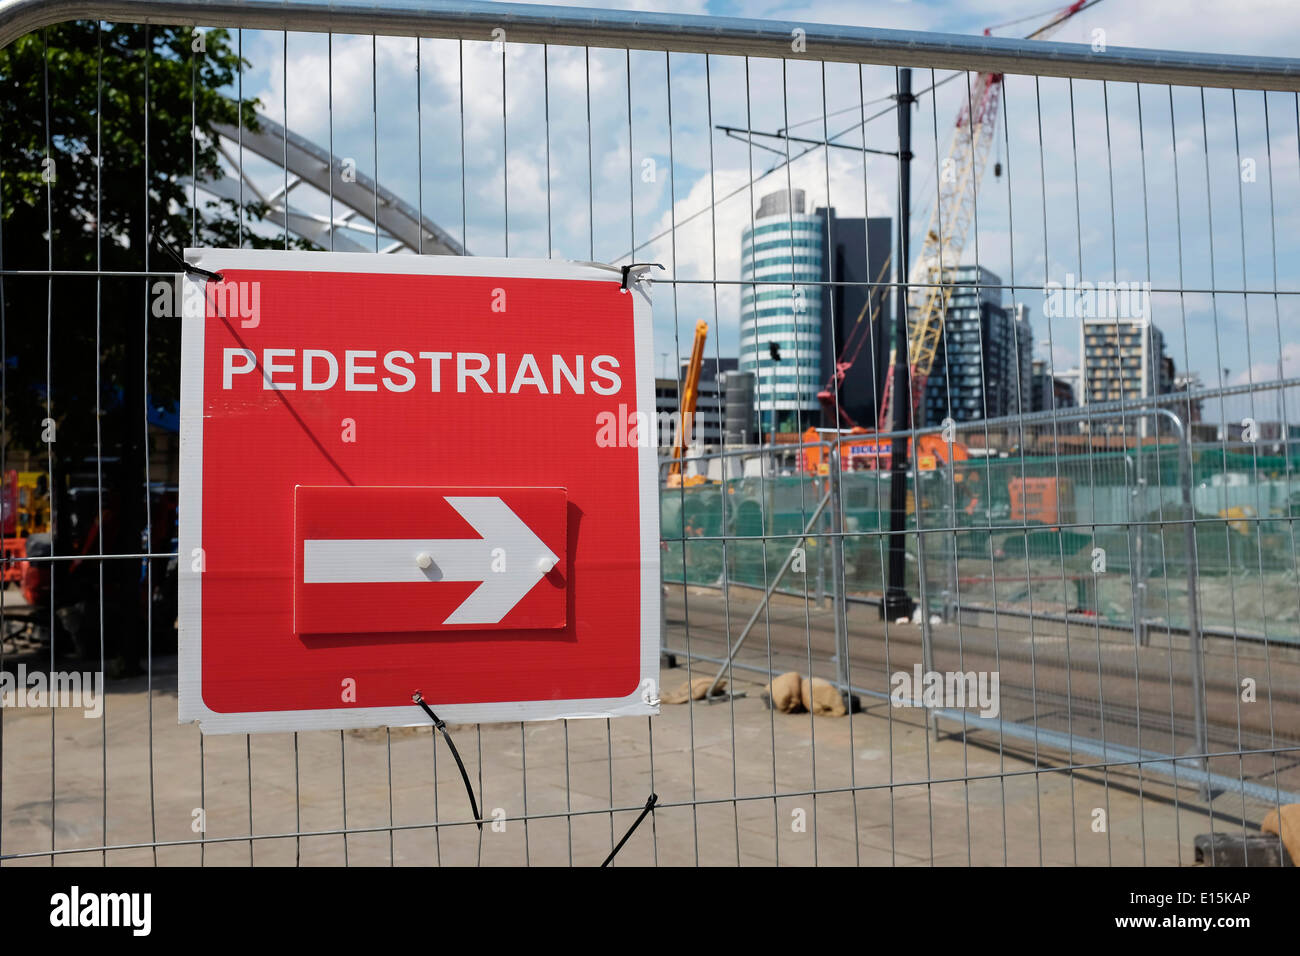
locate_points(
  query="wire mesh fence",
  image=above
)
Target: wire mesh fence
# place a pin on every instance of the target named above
(1118, 581)
(1016, 526)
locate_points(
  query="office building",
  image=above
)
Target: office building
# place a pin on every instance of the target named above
(780, 327)
(1073, 380)
(1022, 402)
(979, 360)
(808, 322)
(1049, 392)
(859, 256)
(709, 401)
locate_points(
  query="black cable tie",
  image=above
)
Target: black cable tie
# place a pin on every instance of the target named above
(440, 727)
(179, 259)
(649, 805)
(640, 267)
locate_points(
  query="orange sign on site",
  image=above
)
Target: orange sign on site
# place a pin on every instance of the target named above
(1039, 499)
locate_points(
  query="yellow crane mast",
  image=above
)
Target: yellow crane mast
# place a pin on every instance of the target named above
(931, 274)
(690, 395)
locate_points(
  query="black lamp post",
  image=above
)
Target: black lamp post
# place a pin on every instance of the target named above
(898, 603)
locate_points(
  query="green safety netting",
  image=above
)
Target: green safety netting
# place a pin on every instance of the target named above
(1120, 522)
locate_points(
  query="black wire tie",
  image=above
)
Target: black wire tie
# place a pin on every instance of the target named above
(649, 805)
(179, 259)
(441, 727)
(639, 269)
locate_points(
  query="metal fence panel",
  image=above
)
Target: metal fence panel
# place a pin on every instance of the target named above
(1121, 580)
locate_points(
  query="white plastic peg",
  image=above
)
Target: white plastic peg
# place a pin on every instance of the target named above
(424, 560)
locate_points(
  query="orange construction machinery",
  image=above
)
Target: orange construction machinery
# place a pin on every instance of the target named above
(686, 415)
(861, 450)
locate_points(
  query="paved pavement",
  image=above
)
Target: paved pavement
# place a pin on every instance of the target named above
(1078, 681)
(715, 768)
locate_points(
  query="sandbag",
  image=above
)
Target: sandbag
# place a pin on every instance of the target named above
(821, 697)
(695, 691)
(1287, 827)
(783, 693)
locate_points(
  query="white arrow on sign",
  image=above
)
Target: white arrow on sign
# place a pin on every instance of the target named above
(504, 541)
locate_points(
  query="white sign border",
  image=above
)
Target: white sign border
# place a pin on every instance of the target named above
(190, 704)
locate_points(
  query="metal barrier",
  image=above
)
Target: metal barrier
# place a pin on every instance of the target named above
(1136, 626)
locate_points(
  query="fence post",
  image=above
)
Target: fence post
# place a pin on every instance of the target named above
(1144, 510)
(1193, 603)
(1136, 531)
(822, 596)
(950, 606)
(838, 585)
(923, 597)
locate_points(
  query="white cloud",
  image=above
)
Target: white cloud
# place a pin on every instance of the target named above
(1079, 170)
(1268, 371)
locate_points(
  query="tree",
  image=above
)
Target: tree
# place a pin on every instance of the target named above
(131, 94)
(100, 126)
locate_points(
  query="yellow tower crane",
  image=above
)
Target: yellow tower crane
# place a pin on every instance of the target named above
(931, 276)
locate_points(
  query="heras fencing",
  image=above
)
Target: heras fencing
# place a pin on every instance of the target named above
(1119, 584)
(1016, 526)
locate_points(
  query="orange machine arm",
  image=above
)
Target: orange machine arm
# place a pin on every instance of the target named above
(690, 393)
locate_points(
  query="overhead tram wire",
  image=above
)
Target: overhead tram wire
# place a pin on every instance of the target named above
(847, 109)
(829, 141)
(781, 165)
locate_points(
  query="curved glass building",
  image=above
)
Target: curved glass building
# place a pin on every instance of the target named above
(784, 244)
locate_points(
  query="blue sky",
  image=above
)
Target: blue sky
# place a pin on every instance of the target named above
(1089, 190)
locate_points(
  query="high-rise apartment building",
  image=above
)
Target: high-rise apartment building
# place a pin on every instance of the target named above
(1122, 359)
(979, 365)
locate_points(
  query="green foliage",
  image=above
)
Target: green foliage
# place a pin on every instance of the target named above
(133, 96)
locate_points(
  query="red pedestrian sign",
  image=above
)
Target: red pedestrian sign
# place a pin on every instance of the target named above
(399, 474)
